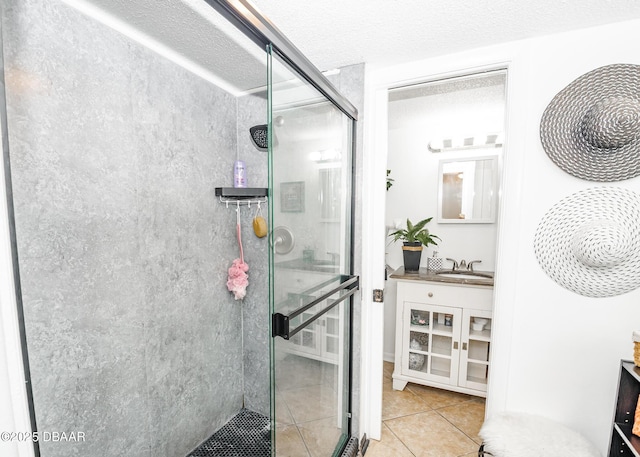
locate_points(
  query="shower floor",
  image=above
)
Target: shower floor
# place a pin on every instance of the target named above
(246, 434)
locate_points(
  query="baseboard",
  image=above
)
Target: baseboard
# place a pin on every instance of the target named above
(388, 357)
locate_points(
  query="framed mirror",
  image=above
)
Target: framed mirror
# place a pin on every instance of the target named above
(467, 190)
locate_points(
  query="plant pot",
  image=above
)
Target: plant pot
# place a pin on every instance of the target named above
(412, 252)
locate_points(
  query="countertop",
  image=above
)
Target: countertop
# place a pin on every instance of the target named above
(321, 266)
(431, 276)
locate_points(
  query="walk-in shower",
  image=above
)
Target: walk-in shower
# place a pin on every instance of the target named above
(122, 137)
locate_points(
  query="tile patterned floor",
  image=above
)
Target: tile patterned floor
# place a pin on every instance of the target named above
(417, 422)
(247, 433)
(306, 409)
(426, 422)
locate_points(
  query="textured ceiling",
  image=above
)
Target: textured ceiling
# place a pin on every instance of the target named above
(334, 33)
(190, 32)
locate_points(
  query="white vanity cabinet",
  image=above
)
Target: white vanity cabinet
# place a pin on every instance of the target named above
(443, 336)
(321, 339)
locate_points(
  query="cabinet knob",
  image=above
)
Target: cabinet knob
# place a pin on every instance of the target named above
(430, 294)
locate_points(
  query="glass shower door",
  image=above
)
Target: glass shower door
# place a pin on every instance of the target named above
(310, 271)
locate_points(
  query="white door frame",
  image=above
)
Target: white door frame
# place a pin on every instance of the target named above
(373, 262)
(378, 82)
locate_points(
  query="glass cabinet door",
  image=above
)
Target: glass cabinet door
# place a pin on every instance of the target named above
(332, 334)
(431, 345)
(476, 345)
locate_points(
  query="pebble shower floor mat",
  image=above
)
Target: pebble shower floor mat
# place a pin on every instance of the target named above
(246, 434)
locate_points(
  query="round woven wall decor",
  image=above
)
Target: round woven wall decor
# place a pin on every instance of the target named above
(591, 128)
(589, 242)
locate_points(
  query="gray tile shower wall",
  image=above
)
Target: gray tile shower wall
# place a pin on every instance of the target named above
(133, 337)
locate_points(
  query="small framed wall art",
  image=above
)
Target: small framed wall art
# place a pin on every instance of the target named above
(292, 197)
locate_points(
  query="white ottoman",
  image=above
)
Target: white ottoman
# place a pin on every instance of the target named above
(511, 434)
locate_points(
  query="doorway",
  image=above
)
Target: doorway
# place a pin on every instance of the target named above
(434, 127)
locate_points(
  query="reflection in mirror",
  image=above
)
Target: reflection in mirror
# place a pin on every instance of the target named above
(467, 190)
(330, 198)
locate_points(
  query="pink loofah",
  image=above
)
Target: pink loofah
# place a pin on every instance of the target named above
(238, 279)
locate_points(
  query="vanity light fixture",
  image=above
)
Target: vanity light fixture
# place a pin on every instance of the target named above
(326, 155)
(489, 140)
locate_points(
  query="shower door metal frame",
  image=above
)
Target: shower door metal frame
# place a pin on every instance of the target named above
(259, 29)
(281, 323)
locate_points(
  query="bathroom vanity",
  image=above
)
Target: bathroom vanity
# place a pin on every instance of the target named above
(443, 331)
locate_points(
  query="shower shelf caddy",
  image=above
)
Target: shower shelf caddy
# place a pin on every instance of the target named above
(242, 195)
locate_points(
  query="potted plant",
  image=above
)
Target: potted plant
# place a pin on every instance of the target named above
(413, 238)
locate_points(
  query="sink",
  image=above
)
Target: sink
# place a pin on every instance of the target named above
(464, 274)
(322, 263)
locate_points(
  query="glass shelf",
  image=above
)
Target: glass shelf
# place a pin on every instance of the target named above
(483, 335)
(420, 328)
(441, 329)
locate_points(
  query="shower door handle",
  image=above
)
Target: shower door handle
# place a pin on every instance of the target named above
(280, 322)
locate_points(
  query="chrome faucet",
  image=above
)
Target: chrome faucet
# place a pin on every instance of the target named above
(470, 266)
(335, 257)
(463, 265)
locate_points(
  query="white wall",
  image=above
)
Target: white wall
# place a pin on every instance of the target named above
(555, 352)
(565, 348)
